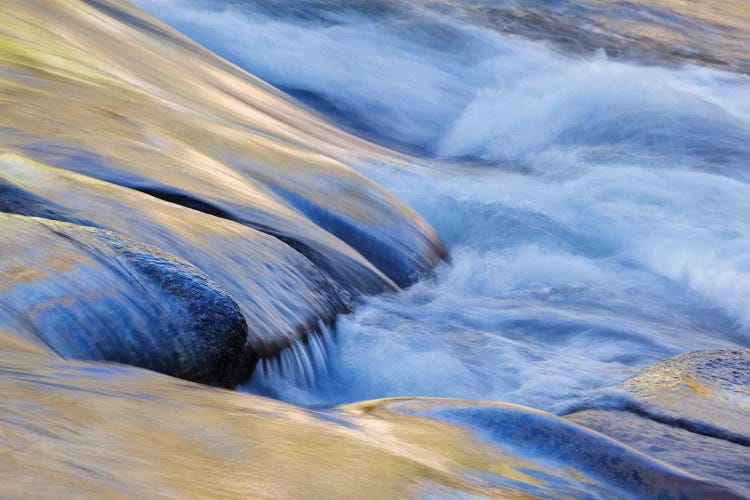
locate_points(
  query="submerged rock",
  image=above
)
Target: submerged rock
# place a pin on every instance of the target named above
(100, 431)
(586, 462)
(722, 461)
(706, 392)
(92, 294)
(691, 410)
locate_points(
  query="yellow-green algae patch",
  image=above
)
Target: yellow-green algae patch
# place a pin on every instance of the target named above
(25, 44)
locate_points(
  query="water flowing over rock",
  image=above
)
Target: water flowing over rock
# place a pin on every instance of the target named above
(592, 458)
(100, 431)
(150, 435)
(281, 293)
(706, 391)
(92, 294)
(691, 410)
(161, 115)
(166, 210)
(158, 139)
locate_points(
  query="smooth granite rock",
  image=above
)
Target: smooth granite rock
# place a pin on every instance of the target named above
(92, 294)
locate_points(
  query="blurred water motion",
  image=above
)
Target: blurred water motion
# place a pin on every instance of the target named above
(585, 162)
(103, 430)
(144, 108)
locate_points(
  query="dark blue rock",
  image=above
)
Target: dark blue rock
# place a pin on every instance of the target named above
(550, 439)
(93, 294)
(691, 411)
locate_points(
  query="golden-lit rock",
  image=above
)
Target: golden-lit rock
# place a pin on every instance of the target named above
(691, 410)
(104, 90)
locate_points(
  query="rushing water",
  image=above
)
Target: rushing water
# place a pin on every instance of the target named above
(596, 208)
(584, 161)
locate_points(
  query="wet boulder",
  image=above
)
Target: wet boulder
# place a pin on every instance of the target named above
(722, 461)
(691, 410)
(147, 109)
(282, 294)
(93, 294)
(585, 463)
(706, 392)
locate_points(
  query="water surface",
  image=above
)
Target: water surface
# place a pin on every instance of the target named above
(594, 199)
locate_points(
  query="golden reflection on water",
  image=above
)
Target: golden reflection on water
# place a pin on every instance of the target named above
(159, 109)
(706, 32)
(725, 27)
(734, 13)
(96, 430)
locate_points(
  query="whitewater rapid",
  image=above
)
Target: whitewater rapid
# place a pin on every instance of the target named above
(596, 210)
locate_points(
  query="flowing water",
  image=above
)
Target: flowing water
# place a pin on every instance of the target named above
(585, 162)
(595, 206)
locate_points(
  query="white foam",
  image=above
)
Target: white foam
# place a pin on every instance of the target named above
(458, 90)
(612, 231)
